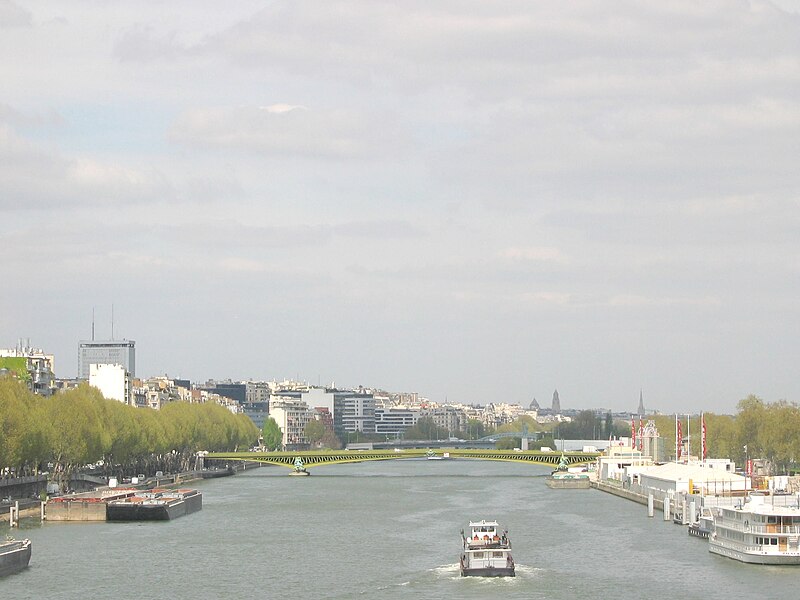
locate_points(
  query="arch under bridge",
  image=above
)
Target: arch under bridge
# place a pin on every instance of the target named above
(318, 458)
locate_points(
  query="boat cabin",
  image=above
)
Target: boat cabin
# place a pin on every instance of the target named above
(485, 533)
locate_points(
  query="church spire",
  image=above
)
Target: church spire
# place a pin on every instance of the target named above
(640, 410)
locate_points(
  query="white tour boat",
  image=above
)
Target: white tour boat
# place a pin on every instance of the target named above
(757, 531)
(486, 551)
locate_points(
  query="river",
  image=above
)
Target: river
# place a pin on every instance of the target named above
(385, 529)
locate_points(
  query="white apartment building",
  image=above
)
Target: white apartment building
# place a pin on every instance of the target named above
(395, 420)
(292, 415)
(113, 381)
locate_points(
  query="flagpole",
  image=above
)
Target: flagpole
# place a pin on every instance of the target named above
(688, 440)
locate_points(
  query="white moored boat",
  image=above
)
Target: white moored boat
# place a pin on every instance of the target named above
(757, 532)
(486, 551)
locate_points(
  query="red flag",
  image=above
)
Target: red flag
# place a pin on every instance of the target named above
(641, 435)
(680, 440)
(633, 434)
(703, 435)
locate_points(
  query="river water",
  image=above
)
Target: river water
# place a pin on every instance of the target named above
(385, 529)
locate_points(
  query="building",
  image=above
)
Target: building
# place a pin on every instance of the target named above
(108, 352)
(229, 389)
(257, 412)
(448, 417)
(352, 410)
(292, 415)
(32, 366)
(113, 381)
(556, 403)
(394, 421)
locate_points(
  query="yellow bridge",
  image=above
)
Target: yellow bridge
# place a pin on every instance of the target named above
(332, 457)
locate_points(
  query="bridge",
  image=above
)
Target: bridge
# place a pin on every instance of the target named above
(318, 458)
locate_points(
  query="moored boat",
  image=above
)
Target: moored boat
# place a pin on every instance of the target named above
(565, 478)
(14, 556)
(704, 525)
(155, 505)
(757, 531)
(486, 551)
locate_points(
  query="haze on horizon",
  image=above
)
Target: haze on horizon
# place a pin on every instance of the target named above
(476, 201)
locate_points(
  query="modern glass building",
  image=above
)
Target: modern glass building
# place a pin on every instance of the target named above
(106, 352)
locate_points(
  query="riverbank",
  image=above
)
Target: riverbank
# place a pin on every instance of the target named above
(86, 506)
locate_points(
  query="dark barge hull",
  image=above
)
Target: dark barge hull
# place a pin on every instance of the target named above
(488, 572)
(14, 557)
(170, 508)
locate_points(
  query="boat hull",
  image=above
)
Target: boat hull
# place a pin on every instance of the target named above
(488, 572)
(752, 558)
(572, 483)
(121, 510)
(14, 556)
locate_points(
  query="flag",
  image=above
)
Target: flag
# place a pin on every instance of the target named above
(633, 434)
(641, 434)
(680, 439)
(703, 435)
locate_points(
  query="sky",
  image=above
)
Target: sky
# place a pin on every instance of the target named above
(476, 201)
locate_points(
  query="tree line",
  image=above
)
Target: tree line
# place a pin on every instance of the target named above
(759, 430)
(78, 427)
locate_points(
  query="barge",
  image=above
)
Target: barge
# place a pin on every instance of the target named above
(155, 505)
(14, 556)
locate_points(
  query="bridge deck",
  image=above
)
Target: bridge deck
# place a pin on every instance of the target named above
(318, 458)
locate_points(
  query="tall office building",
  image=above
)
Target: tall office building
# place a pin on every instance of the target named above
(106, 352)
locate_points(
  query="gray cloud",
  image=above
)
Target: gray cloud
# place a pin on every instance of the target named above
(597, 197)
(13, 15)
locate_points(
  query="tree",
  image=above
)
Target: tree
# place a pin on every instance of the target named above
(426, 429)
(314, 431)
(508, 443)
(475, 429)
(272, 434)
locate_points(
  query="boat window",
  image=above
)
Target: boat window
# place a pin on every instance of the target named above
(477, 554)
(772, 519)
(497, 555)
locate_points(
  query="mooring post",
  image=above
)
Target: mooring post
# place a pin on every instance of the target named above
(650, 505)
(666, 508)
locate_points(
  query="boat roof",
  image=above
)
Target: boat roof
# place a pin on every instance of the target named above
(762, 505)
(484, 523)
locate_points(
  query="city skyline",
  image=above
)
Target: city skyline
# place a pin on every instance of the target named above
(453, 198)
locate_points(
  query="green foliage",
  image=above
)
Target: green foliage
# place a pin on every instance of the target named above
(508, 443)
(17, 365)
(314, 431)
(79, 426)
(426, 429)
(271, 434)
(585, 426)
(475, 430)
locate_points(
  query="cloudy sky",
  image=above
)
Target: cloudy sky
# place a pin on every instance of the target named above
(474, 200)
